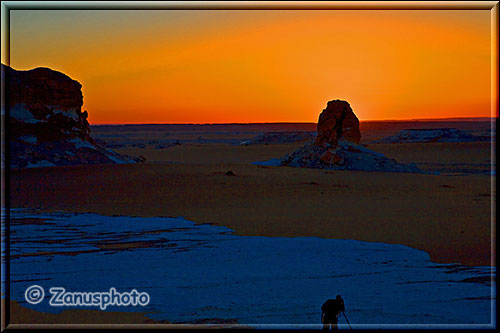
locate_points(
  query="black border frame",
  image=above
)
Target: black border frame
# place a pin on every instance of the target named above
(7, 6)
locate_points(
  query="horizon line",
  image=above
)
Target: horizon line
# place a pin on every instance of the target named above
(470, 119)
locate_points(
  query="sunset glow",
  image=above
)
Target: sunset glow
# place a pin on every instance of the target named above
(219, 66)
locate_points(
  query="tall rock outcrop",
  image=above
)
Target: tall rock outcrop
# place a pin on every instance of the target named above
(337, 121)
(337, 145)
(46, 124)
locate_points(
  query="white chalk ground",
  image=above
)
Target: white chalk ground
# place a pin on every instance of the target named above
(271, 162)
(201, 271)
(41, 164)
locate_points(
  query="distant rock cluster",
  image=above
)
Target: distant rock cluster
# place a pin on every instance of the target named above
(46, 124)
(279, 138)
(432, 135)
(337, 145)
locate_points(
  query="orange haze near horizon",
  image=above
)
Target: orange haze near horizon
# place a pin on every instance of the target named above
(235, 66)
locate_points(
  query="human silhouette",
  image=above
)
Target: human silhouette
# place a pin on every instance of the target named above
(330, 311)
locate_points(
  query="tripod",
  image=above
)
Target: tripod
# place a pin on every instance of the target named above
(348, 323)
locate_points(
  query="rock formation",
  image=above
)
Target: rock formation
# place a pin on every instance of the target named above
(337, 145)
(432, 135)
(46, 124)
(335, 122)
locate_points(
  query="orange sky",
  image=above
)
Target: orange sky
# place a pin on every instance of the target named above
(213, 66)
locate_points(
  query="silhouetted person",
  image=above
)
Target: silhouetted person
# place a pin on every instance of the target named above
(330, 313)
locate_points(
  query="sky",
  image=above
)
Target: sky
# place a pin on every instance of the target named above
(241, 66)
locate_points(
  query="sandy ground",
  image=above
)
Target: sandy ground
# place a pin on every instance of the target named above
(24, 318)
(448, 216)
(21, 315)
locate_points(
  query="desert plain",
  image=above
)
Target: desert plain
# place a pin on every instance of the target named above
(446, 211)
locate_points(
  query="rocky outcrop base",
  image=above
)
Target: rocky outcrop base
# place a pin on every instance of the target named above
(346, 156)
